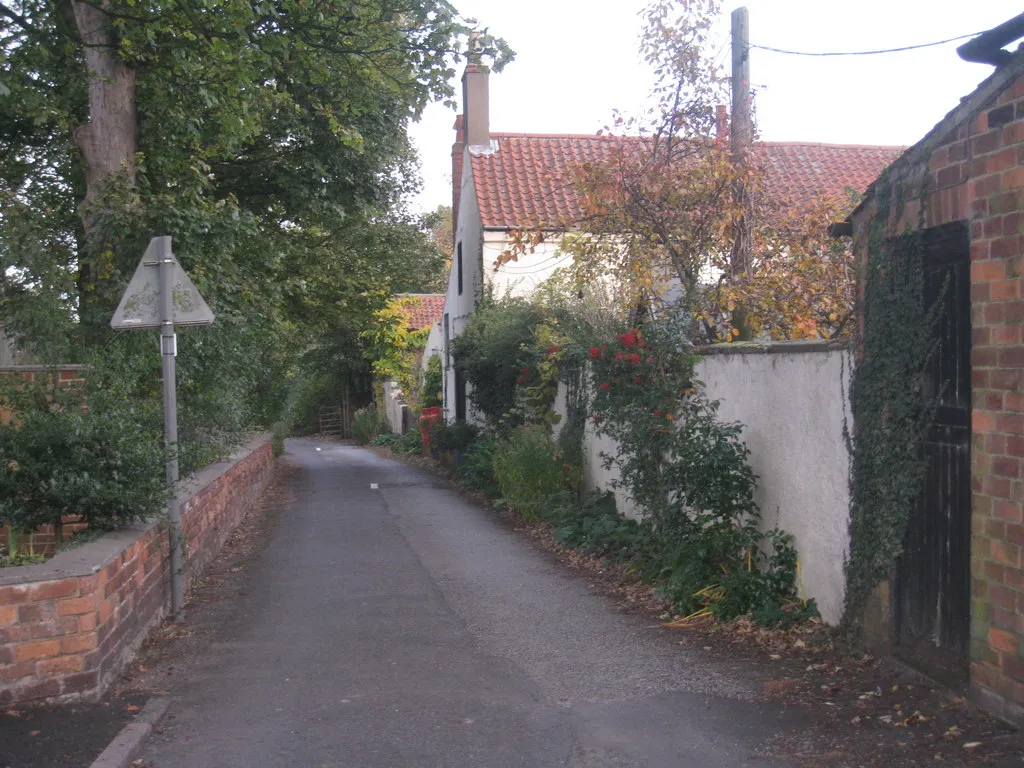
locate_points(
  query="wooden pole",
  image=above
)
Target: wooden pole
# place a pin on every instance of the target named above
(741, 135)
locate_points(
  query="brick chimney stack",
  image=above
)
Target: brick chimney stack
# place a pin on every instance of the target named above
(475, 109)
(458, 152)
(472, 127)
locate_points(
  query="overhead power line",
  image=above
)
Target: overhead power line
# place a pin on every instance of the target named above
(863, 53)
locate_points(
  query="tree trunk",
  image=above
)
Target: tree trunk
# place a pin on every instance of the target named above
(107, 143)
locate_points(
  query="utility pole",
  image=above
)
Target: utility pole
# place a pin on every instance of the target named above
(741, 134)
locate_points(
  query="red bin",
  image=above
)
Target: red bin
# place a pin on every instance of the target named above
(429, 417)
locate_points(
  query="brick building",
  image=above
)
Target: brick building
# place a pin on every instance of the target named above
(962, 187)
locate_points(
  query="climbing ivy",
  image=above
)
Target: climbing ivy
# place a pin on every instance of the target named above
(891, 412)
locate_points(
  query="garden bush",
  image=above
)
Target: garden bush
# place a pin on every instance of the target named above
(494, 350)
(456, 436)
(476, 470)
(104, 465)
(532, 474)
(367, 423)
(432, 390)
(408, 444)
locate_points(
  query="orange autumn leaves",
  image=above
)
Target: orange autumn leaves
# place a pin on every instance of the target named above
(657, 219)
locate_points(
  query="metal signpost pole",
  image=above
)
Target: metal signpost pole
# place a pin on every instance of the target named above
(160, 295)
(168, 350)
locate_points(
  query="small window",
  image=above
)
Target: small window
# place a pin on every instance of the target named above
(458, 265)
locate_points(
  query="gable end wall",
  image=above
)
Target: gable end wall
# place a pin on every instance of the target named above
(976, 174)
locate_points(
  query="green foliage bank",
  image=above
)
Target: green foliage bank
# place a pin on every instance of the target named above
(685, 469)
(268, 139)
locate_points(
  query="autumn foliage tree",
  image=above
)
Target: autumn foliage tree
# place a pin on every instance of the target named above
(801, 280)
(658, 211)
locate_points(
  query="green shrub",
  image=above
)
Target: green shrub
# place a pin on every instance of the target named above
(105, 465)
(597, 528)
(432, 392)
(457, 436)
(476, 470)
(408, 444)
(367, 423)
(533, 477)
(493, 352)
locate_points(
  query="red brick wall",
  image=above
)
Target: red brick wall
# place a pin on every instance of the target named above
(976, 174)
(62, 376)
(67, 637)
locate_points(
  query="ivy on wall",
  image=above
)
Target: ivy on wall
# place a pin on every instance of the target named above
(891, 412)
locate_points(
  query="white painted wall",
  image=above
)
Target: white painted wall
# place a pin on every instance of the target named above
(793, 405)
(434, 345)
(458, 307)
(523, 276)
(394, 404)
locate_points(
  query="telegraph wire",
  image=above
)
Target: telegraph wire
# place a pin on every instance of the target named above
(863, 53)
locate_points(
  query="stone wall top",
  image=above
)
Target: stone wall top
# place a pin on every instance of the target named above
(92, 557)
(774, 347)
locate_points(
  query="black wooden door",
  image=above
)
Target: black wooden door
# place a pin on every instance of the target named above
(933, 586)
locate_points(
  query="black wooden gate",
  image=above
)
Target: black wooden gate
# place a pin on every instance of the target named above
(932, 597)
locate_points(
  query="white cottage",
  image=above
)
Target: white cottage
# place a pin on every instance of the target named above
(508, 181)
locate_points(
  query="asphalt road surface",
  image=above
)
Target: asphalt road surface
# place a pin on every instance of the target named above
(402, 625)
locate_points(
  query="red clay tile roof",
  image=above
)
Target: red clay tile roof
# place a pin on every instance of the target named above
(525, 182)
(425, 309)
(804, 171)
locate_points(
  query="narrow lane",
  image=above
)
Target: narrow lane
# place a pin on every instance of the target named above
(404, 626)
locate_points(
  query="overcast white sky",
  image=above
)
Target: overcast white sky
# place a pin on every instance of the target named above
(576, 61)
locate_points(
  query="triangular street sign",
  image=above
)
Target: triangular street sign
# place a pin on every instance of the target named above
(140, 304)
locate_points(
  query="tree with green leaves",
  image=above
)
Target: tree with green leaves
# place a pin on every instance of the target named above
(268, 139)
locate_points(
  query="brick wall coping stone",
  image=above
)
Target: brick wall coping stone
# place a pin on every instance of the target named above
(42, 368)
(774, 347)
(92, 557)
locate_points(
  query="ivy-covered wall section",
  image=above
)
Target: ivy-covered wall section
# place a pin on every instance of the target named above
(968, 169)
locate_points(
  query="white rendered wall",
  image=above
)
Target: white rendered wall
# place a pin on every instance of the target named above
(434, 345)
(523, 276)
(394, 404)
(458, 307)
(793, 406)
(791, 399)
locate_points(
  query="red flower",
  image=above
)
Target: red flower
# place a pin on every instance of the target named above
(597, 419)
(629, 339)
(519, 380)
(595, 353)
(553, 349)
(605, 386)
(657, 413)
(637, 380)
(633, 358)
(525, 371)
(618, 355)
